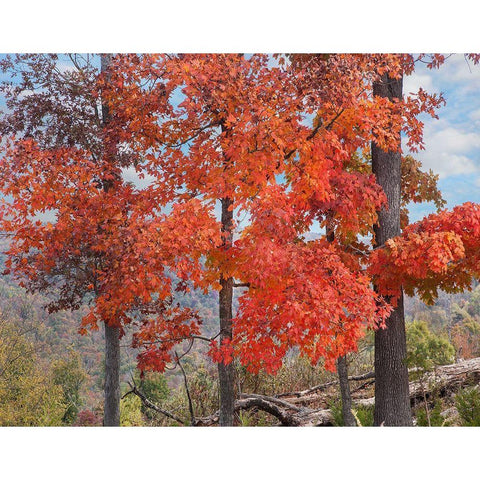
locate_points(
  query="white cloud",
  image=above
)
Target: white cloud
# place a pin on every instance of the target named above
(412, 83)
(474, 116)
(459, 70)
(131, 175)
(453, 139)
(452, 144)
(450, 150)
(65, 66)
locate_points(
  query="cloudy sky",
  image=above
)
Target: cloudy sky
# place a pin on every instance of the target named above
(452, 143)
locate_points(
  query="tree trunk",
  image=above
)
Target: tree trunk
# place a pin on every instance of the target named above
(226, 373)
(342, 369)
(348, 418)
(392, 403)
(111, 409)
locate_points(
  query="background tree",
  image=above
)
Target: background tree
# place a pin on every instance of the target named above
(207, 147)
(62, 114)
(69, 375)
(29, 395)
(68, 165)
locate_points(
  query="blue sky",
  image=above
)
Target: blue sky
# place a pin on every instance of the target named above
(452, 143)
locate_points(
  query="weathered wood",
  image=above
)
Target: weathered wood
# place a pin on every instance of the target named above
(324, 386)
(444, 379)
(447, 378)
(286, 413)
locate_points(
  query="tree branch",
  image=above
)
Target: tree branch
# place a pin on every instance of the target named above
(190, 404)
(151, 405)
(323, 386)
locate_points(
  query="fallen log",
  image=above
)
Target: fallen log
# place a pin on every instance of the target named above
(444, 379)
(323, 386)
(286, 413)
(447, 378)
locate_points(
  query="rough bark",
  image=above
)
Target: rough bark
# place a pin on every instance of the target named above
(111, 415)
(348, 418)
(392, 405)
(226, 373)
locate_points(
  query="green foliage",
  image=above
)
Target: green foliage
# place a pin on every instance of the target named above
(203, 388)
(336, 409)
(28, 396)
(474, 302)
(472, 326)
(69, 375)
(467, 402)
(154, 386)
(425, 349)
(459, 313)
(363, 414)
(131, 412)
(254, 419)
(436, 419)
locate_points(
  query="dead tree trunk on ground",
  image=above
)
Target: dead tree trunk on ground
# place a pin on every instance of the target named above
(443, 380)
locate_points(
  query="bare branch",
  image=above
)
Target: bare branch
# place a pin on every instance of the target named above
(323, 386)
(190, 404)
(151, 405)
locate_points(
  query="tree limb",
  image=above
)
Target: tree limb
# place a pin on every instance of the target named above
(151, 405)
(190, 404)
(323, 386)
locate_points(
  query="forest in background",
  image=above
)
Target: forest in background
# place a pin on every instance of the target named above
(53, 376)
